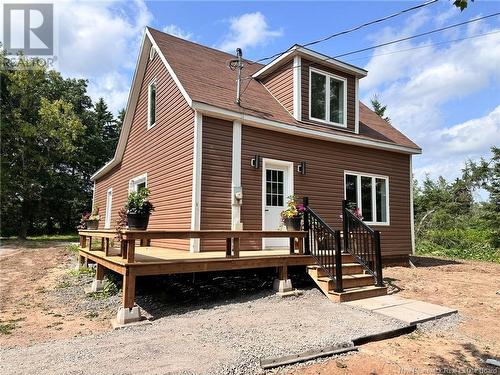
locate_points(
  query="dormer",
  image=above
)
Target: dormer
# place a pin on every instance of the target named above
(315, 88)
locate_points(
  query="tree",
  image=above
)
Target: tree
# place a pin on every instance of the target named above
(461, 4)
(379, 109)
(52, 140)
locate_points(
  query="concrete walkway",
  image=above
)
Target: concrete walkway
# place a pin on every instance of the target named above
(407, 310)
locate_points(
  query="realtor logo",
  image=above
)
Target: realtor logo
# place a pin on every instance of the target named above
(28, 28)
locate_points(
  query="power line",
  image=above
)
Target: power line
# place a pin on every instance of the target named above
(355, 28)
(427, 45)
(393, 41)
(415, 36)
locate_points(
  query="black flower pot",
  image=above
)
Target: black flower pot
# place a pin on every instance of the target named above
(293, 223)
(92, 224)
(138, 221)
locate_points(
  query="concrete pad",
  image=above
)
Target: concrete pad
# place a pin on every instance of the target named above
(407, 310)
(282, 286)
(292, 293)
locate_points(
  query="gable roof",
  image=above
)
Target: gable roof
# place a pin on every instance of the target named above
(204, 79)
(204, 74)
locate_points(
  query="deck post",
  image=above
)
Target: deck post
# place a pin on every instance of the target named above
(106, 247)
(228, 247)
(128, 313)
(282, 284)
(292, 245)
(307, 249)
(130, 251)
(98, 282)
(236, 247)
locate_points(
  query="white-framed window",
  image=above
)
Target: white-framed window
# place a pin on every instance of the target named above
(370, 193)
(327, 98)
(152, 104)
(109, 205)
(138, 182)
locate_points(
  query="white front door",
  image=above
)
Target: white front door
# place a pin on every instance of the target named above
(277, 186)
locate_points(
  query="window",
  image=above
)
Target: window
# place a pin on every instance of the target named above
(151, 104)
(274, 188)
(109, 203)
(370, 194)
(138, 182)
(327, 98)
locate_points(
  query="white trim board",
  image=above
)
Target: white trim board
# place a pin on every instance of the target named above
(194, 243)
(297, 88)
(291, 129)
(236, 176)
(109, 208)
(315, 56)
(412, 217)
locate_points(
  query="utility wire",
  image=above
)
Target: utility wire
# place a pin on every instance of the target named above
(351, 29)
(416, 36)
(392, 42)
(426, 45)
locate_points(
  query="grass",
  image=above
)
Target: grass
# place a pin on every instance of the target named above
(7, 328)
(33, 242)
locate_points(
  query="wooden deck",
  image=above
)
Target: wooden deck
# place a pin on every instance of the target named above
(151, 260)
(131, 260)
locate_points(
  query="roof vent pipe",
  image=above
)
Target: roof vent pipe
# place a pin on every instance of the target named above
(239, 66)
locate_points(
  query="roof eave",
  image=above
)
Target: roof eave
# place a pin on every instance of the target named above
(315, 56)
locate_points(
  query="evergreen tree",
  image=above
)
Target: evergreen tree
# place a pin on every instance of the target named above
(379, 109)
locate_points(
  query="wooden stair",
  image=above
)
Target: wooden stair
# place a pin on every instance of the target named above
(357, 284)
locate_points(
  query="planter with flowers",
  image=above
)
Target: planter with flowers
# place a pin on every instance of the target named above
(90, 220)
(292, 216)
(139, 209)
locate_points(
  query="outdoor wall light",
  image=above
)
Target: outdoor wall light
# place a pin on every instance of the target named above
(301, 168)
(255, 162)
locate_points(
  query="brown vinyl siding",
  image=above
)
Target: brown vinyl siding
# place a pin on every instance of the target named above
(324, 181)
(280, 85)
(351, 93)
(217, 144)
(164, 152)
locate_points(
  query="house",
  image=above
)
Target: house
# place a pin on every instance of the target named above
(211, 163)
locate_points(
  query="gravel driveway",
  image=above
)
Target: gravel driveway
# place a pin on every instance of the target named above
(228, 338)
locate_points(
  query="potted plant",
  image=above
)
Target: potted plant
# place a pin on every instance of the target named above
(292, 216)
(139, 209)
(90, 220)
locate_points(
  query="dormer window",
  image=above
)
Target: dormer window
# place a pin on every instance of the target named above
(327, 98)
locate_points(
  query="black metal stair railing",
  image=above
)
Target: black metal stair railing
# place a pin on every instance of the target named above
(324, 244)
(363, 243)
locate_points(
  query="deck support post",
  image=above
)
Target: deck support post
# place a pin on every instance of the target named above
(282, 284)
(82, 262)
(98, 282)
(128, 313)
(131, 251)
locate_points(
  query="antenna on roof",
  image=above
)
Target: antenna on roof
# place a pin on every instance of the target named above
(237, 65)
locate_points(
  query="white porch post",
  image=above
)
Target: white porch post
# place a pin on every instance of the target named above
(236, 177)
(194, 245)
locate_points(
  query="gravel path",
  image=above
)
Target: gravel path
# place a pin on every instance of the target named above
(225, 339)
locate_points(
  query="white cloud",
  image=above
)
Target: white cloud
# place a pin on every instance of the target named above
(178, 32)
(416, 85)
(99, 41)
(247, 31)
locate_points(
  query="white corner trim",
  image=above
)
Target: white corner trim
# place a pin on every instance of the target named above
(297, 88)
(93, 197)
(295, 130)
(236, 175)
(412, 218)
(194, 245)
(169, 68)
(356, 107)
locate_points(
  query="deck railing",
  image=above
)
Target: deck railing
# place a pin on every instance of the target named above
(363, 243)
(324, 244)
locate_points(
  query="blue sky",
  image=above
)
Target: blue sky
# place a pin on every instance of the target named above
(445, 97)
